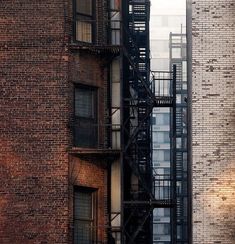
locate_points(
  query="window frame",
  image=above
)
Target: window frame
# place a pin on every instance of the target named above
(94, 220)
(92, 20)
(164, 135)
(78, 119)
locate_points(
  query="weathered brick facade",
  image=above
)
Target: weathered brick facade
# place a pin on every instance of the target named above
(213, 121)
(37, 76)
(92, 174)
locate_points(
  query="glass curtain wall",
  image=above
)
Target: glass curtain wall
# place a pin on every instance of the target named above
(168, 17)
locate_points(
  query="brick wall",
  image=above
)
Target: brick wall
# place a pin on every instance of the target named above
(90, 69)
(91, 173)
(86, 68)
(36, 105)
(213, 121)
(33, 117)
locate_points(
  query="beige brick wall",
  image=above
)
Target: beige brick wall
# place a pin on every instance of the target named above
(213, 121)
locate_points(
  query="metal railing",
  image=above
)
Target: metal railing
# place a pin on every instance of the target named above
(163, 187)
(162, 83)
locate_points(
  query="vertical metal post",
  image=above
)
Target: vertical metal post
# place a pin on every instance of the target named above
(123, 73)
(189, 113)
(174, 222)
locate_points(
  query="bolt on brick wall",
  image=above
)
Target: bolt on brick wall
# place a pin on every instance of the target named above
(213, 121)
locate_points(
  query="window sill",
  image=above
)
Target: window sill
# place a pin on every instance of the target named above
(95, 48)
(94, 153)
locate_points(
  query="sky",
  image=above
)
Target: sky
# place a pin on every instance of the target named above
(162, 7)
(160, 28)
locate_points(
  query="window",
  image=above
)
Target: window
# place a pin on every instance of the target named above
(84, 103)
(153, 120)
(165, 173)
(163, 192)
(178, 142)
(85, 111)
(161, 155)
(163, 119)
(184, 72)
(185, 158)
(179, 232)
(161, 137)
(84, 20)
(84, 216)
(162, 229)
(176, 53)
(161, 212)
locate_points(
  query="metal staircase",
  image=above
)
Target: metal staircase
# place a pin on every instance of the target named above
(140, 96)
(180, 221)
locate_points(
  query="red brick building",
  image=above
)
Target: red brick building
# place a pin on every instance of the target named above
(55, 110)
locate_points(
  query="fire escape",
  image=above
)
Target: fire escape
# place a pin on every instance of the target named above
(141, 91)
(141, 187)
(178, 57)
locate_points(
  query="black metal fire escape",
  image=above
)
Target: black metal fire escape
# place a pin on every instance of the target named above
(178, 44)
(140, 96)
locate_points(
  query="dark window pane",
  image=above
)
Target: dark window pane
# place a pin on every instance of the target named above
(167, 172)
(153, 120)
(86, 128)
(84, 232)
(167, 155)
(84, 6)
(83, 205)
(86, 133)
(167, 212)
(84, 103)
